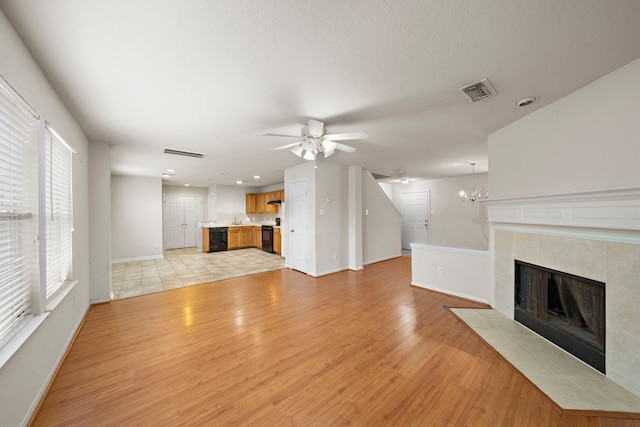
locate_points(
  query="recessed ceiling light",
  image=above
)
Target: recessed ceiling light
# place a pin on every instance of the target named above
(166, 175)
(256, 176)
(171, 171)
(238, 182)
(187, 185)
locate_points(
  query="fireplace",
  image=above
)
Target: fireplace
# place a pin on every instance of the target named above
(566, 309)
(593, 235)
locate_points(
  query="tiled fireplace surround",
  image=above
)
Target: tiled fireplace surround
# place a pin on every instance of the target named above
(594, 235)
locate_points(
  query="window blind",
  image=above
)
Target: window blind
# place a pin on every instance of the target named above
(59, 213)
(18, 210)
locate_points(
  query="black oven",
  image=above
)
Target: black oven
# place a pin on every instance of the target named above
(217, 239)
(267, 238)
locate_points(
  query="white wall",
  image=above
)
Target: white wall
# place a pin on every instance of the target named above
(381, 223)
(585, 141)
(136, 218)
(24, 378)
(331, 217)
(464, 273)
(453, 223)
(100, 213)
(273, 187)
(231, 199)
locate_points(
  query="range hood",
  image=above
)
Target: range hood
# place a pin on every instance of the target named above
(274, 202)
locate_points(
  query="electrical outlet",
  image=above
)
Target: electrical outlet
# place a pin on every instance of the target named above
(335, 256)
(440, 271)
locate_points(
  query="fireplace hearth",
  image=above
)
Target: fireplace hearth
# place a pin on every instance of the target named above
(567, 310)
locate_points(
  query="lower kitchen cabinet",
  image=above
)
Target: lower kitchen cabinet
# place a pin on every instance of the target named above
(277, 241)
(240, 237)
(257, 237)
(233, 238)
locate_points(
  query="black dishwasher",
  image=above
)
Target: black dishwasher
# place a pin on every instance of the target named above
(267, 238)
(218, 239)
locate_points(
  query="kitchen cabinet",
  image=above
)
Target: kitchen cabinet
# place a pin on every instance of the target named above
(258, 203)
(239, 237)
(205, 239)
(246, 234)
(277, 241)
(233, 238)
(257, 237)
(251, 203)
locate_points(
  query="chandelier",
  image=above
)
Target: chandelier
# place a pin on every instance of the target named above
(312, 146)
(474, 195)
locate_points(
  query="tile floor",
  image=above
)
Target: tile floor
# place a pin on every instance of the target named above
(186, 267)
(569, 382)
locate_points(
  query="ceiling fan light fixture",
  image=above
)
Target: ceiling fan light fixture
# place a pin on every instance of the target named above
(328, 147)
(297, 150)
(315, 141)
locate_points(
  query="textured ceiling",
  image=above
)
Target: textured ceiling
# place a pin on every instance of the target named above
(212, 76)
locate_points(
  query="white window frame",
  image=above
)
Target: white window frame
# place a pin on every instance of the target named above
(56, 224)
(44, 141)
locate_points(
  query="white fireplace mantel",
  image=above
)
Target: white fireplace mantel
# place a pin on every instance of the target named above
(617, 209)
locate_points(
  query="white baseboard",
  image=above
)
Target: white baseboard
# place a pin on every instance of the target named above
(141, 258)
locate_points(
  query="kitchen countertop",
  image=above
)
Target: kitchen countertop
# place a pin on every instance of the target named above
(210, 224)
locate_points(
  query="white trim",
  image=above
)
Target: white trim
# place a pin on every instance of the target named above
(140, 258)
(477, 252)
(60, 295)
(448, 292)
(614, 236)
(373, 261)
(617, 209)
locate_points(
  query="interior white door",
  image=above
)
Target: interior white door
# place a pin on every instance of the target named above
(415, 218)
(181, 216)
(173, 221)
(193, 210)
(297, 224)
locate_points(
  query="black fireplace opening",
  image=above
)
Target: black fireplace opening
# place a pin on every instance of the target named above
(566, 309)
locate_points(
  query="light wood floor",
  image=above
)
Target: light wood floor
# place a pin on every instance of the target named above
(281, 348)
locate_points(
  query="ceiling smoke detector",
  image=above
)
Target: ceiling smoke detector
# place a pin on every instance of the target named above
(478, 91)
(526, 101)
(183, 153)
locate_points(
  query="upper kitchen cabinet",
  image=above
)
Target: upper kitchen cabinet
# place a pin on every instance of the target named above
(251, 203)
(259, 203)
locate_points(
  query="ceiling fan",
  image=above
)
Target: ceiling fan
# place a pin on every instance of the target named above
(314, 141)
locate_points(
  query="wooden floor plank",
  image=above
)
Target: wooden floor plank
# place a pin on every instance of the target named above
(282, 348)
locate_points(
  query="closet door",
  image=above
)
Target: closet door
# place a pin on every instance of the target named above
(173, 221)
(192, 214)
(181, 216)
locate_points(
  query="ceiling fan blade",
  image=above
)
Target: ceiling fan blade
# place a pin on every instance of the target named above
(344, 148)
(345, 136)
(281, 134)
(316, 128)
(282, 147)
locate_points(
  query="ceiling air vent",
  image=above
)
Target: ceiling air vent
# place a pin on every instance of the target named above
(184, 153)
(477, 91)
